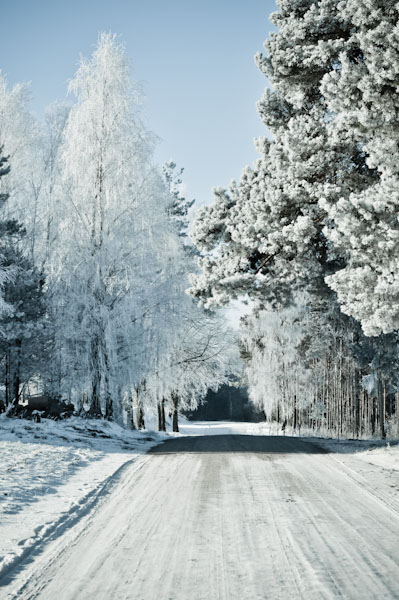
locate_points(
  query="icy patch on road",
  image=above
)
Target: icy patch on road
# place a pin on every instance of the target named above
(50, 470)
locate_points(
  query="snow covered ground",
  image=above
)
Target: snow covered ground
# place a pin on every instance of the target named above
(57, 479)
(51, 472)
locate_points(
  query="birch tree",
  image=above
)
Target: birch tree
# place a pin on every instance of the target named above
(109, 211)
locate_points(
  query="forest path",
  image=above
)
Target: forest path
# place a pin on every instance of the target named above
(230, 517)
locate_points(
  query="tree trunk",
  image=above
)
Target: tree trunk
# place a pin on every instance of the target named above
(357, 410)
(175, 420)
(161, 416)
(381, 408)
(109, 408)
(16, 381)
(140, 416)
(109, 412)
(95, 405)
(373, 416)
(7, 381)
(129, 414)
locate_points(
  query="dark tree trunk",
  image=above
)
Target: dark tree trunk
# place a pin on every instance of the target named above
(129, 414)
(109, 409)
(109, 412)
(16, 381)
(381, 408)
(95, 405)
(175, 414)
(357, 403)
(373, 416)
(7, 381)
(140, 416)
(161, 416)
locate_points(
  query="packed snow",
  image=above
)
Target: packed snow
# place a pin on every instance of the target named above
(51, 471)
(211, 515)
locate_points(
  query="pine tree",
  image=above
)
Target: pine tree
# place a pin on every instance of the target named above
(362, 96)
(24, 340)
(25, 336)
(179, 205)
(266, 237)
(280, 229)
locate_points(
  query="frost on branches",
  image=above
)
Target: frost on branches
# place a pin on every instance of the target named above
(97, 235)
(315, 217)
(265, 237)
(363, 96)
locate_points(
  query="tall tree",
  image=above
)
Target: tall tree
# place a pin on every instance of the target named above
(265, 237)
(363, 100)
(276, 232)
(109, 268)
(24, 339)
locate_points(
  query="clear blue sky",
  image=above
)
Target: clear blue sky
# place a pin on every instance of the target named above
(195, 60)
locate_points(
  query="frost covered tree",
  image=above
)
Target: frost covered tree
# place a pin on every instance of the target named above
(362, 96)
(278, 381)
(202, 357)
(195, 348)
(5, 226)
(23, 333)
(179, 205)
(110, 245)
(265, 236)
(117, 257)
(56, 116)
(20, 135)
(281, 229)
(310, 366)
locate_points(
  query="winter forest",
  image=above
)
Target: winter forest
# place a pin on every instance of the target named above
(96, 257)
(113, 283)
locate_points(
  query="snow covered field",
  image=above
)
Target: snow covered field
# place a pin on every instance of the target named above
(51, 472)
(57, 479)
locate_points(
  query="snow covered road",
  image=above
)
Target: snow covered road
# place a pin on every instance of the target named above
(226, 517)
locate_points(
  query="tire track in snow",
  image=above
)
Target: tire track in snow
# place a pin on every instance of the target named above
(223, 518)
(65, 532)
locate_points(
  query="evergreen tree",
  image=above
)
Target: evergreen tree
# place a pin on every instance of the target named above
(179, 205)
(280, 229)
(362, 96)
(266, 237)
(24, 340)
(23, 337)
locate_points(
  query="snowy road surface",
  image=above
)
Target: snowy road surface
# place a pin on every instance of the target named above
(225, 517)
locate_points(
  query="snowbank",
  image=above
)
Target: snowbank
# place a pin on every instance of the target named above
(51, 472)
